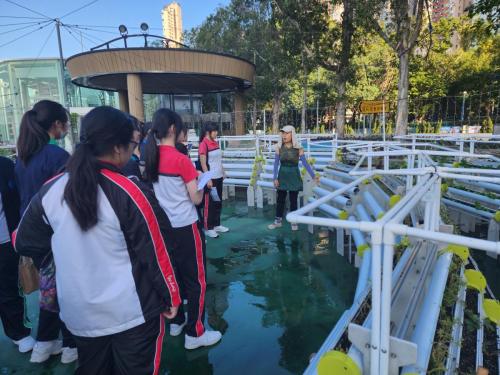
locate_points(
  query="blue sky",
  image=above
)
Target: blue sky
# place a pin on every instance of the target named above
(110, 13)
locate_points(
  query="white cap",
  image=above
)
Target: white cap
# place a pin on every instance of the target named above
(287, 129)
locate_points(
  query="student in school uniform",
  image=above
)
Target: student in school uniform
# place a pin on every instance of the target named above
(40, 159)
(12, 303)
(112, 250)
(174, 179)
(210, 158)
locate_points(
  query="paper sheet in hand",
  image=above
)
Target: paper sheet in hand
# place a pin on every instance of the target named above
(204, 178)
(214, 195)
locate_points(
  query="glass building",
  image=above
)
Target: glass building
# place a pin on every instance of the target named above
(27, 81)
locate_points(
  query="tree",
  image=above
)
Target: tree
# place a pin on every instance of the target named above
(400, 32)
(320, 37)
(489, 8)
(245, 28)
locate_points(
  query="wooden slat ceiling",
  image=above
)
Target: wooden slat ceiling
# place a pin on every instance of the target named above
(162, 71)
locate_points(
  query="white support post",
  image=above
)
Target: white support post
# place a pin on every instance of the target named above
(271, 197)
(461, 148)
(250, 196)
(340, 241)
(310, 227)
(370, 149)
(259, 196)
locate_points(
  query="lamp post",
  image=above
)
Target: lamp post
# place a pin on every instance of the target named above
(463, 107)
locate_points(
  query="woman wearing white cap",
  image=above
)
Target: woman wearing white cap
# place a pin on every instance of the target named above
(286, 173)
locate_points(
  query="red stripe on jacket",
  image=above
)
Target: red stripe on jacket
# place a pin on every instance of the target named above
(147, 212)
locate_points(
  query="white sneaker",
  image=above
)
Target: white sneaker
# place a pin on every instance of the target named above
(176, 329)
(44, 349)
(26, 344)
(221, 229)
(207, 339)
(295, 227)
(275, 225)
(69, 355)
(211, 233)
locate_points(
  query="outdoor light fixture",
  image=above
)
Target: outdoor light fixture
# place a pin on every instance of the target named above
(123, 30)
(144, 27)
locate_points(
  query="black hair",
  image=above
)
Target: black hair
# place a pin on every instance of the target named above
(35, 124)
(145, 129)
(163, 119)
(102, 129)
(136, 123)
(208, 127)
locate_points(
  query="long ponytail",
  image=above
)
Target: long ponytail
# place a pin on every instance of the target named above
(102, 129)
(35, 124)
(152, 157)
(80, 192)
(203, 133)
(163, 119)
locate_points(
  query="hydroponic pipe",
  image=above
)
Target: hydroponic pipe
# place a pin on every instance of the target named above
(364, 270)
(373, 205)
(362, 213)
(239, 165)
(474, 196)
(265, 184)
(425, 329)
(238, 174)
(327, 209)
(238, 182)
(467, 208)
(337, 185)
(453, 358)
(341, 200)
(381, 191)
(335, 173)
(407, 257)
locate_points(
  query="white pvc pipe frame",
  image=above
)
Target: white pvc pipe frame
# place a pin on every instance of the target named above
(383, 233)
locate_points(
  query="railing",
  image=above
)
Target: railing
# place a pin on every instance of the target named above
(384, 231)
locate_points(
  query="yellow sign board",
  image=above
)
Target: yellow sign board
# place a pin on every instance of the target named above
(375, 106)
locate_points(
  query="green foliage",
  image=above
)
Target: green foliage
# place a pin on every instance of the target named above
(487, 125)
(488, 8)
(248, 29)
(389, 127)
(438, 126)
(348, 130)
(296, 41)
(376, 130)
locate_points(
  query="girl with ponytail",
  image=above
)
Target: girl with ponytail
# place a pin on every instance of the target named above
(174, 181)
(112, 250)
(210, 158)
(39, 157)
(38, 160)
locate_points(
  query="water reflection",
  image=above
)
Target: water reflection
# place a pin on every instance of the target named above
(275, 295)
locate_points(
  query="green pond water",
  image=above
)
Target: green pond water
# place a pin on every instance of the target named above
(275, 295)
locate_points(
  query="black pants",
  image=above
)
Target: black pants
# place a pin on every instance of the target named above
(49, 326)
(190, 261)
(212, 209)
(280, 204)
(12, 307)
(135, 351)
